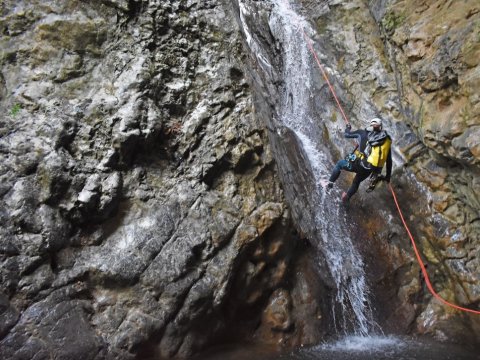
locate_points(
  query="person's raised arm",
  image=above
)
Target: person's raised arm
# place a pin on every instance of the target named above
(349, 134)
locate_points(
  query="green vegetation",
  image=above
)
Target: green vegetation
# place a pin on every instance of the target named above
(15, 109)
(465, 115)
(334, 117)
(322, 26)
(392, 21)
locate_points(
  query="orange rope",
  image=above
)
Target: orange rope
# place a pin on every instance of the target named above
(417, 253)
(310, 46)
(422, 265)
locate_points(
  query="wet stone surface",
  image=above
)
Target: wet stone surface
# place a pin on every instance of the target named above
(137, 187)
(142, 167)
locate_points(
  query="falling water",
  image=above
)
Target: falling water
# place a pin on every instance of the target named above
(344, 261)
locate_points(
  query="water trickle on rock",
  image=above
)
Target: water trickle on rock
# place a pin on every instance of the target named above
(343, 260)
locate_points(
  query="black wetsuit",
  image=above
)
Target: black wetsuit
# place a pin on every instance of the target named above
(361, 167)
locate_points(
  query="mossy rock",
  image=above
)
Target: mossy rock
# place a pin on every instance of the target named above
(391, 21)
(321, 25)
(471, 47)
(75, 36)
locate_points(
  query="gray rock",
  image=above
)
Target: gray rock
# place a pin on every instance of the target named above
(8, 315)
(53, 176)
(141, 207)
(53, 326)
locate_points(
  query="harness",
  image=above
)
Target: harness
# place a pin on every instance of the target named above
(373, 158)
(353, 158)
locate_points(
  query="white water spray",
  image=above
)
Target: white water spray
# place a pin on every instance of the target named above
(344, 261)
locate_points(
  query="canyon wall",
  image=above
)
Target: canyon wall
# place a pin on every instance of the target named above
(151, 206)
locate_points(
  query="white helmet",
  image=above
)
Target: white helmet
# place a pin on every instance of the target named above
(376, 122)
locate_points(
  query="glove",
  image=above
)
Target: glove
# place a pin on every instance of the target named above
(348, 127)
(386, 179)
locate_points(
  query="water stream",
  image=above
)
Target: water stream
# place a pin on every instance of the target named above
(298, 97)
(352, 348)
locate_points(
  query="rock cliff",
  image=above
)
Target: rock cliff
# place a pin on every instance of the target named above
(141, 211)
(141, 205)
(432, 48)
(416, 66)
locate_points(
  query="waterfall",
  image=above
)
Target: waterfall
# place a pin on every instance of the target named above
(333, 239)
(344, 261)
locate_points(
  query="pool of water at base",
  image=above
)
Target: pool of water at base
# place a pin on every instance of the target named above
(352, 348)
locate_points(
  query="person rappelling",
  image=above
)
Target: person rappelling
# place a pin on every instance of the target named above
(367, 159)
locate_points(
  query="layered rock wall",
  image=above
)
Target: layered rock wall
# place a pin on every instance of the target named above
(140, 209)
(433, 48)
(415, 66)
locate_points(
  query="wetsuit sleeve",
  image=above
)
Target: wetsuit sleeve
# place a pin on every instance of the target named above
(389, 165)
(352, 134)
(357, 134)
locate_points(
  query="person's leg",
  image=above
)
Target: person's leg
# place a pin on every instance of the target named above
(341, 165)
(359, 177)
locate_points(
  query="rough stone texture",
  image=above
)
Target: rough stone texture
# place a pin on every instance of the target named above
(436, 65)
(421, 73)
(140, 207)
(395, 60)
(285, 304)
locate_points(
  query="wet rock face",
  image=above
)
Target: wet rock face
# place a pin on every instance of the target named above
(140, 205)
(393, 60)
(398, 62)
(437, 68)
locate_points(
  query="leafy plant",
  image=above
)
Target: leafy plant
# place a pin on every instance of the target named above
(391, 21)
(15, 109)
